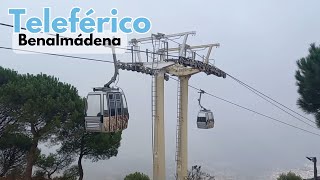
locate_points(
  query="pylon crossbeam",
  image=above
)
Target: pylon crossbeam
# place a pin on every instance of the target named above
(140, 68)
(199, 65)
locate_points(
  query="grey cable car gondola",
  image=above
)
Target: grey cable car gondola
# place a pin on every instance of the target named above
(106, 108)
(205, 119)
(107, 111)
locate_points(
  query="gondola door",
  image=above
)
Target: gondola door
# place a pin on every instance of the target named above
(113, 108)
(94, 116)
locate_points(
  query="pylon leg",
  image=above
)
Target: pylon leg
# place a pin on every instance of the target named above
(182, 163)
(159, 135)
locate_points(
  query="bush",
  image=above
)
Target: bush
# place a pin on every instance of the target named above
(289, 176)
(137, 176)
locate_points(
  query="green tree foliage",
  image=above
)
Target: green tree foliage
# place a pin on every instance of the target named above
(84, 145)
(289, 176)
(70, 174)
(13, 146)
(308, 81)
(93, 146)
(137, 176)
(41, 104)
(197, 174)
(53, 163)
(6, 75)
(46, 110)
(13, 150)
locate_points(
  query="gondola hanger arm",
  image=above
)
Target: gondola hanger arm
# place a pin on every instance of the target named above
(201, 92)
(116, 70)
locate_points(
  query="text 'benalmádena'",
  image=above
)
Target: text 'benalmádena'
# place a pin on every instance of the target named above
(67, 41)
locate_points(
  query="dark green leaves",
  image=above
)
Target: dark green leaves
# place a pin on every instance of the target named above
(41, 100)
(289, 176)
(308, 81)
(137, 176)
(40, 108)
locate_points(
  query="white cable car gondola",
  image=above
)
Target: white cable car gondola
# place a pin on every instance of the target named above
(106, 109)
(205, 119)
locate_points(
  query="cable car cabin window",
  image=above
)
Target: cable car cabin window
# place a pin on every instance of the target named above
(105, 106)
(94, 105)
(115, 104)
(124, 102)
(112, 107)
(210, 115)
(110, 96)
(112, 104)
(118, 96)
(119, 107)
(202, 119)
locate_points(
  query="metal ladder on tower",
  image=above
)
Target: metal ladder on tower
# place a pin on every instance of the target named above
(178, 128)
(153, 107)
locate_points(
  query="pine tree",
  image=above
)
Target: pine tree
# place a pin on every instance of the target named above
(308, 81)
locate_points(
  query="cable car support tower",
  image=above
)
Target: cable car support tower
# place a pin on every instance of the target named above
(162, 61)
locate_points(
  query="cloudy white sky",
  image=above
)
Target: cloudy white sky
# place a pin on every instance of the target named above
(260, 43)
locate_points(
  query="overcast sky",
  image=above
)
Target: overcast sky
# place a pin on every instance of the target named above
(260, 44)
